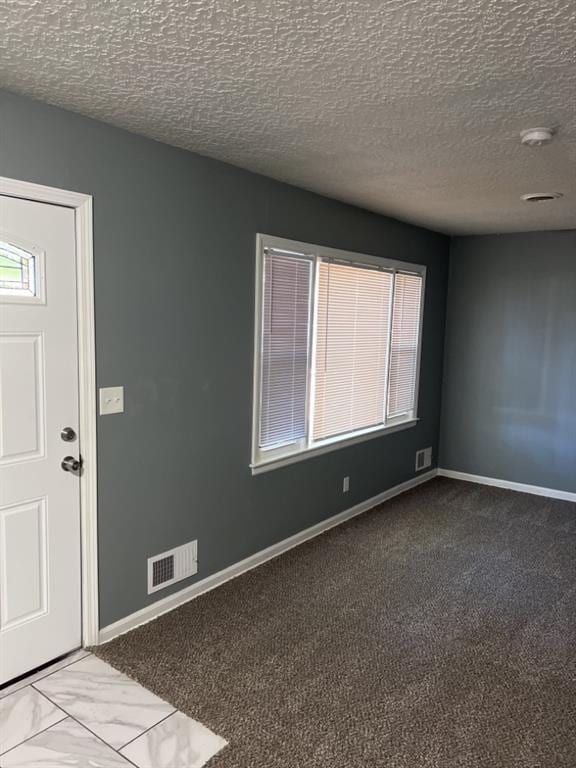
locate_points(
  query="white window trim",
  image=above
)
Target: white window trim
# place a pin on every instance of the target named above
(279, 457)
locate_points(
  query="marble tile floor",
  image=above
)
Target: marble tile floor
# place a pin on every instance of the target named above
(83, 713)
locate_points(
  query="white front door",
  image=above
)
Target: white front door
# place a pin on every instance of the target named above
(40, 610)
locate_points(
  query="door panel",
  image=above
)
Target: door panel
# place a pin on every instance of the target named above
(21, 397)
(40, 615)
(23, 553)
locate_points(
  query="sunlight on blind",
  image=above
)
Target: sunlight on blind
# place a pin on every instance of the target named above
(404, 353)
(284, 352)
(353, 314)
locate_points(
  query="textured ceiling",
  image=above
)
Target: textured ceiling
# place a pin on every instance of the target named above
(406, 107)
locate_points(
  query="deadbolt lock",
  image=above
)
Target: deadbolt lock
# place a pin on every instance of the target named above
(68, 434)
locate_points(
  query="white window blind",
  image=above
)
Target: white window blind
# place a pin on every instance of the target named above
(284, 348)
(351, 355)
(337, 348)
(404, 351)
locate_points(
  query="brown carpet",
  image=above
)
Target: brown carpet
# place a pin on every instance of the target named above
(437, 631)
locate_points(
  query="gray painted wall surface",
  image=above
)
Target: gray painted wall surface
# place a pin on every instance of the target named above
(509, 408)
(174, 271)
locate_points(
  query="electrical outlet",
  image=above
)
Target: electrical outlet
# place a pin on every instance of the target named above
(423, 459)
(346, 485)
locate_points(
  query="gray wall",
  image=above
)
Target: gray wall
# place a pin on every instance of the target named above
(174, 467)
(509, 408)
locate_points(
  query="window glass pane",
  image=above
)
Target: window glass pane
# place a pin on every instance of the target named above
(353, 315)
(17, 271)
(404, 352)
(284, 350)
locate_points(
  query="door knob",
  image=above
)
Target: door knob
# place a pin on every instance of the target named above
(70, 464)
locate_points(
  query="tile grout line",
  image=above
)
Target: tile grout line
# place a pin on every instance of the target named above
(3, 754)
(49, 700)
(75, 719)
(43, 677)
(83, 725)
(66, 715)
(175, 712)
(101, 739)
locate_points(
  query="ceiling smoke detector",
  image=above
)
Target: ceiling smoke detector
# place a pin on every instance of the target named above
(536, 137)
(540, 197)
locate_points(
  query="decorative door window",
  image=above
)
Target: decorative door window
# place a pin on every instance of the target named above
(18, 269)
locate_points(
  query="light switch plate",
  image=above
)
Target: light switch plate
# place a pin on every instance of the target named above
(111, 400)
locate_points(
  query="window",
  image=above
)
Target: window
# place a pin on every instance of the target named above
(337, 348)
(17, 271)
(285, 349)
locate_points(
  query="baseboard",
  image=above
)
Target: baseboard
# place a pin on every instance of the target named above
(211, 582)
(536, 490)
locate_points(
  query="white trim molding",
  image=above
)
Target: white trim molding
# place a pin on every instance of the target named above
(305, 446)
(41, 194)
(169, 603)
(177, 599)
(536, 490)
(82, 205)
(332, 444)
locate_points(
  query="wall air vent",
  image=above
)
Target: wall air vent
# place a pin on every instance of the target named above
(172, 566)
(423, 459)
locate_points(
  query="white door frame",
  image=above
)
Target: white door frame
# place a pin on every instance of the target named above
(82, 205)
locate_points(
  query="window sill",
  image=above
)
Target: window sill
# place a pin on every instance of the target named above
(331, 445)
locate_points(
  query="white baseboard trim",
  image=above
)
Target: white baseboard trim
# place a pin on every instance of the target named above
(151, 612)
(536, 490)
